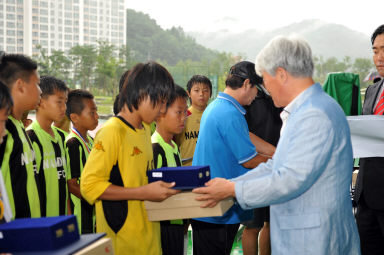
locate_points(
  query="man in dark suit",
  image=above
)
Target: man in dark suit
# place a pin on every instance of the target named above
(369, 192)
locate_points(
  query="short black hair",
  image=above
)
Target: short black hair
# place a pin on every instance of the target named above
(241, 71)
(146, 79)
(6, 101)
(178, 92)
(234, 82)
(15, 66)
(49, 85)
(199, 79)
(122, 79)
(378, 31)
(116, 108)
(75, 103)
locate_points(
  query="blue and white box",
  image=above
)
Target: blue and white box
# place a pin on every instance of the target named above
(186, 177)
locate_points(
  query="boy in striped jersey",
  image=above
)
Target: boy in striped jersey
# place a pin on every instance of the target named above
(48, 143)
(5, 109)
(166, 154)
(82, 111)
(18, 164)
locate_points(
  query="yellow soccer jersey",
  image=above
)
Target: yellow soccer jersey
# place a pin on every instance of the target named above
(121, 155)
(188, 138)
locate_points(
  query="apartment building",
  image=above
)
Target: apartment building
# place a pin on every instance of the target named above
(60, 24)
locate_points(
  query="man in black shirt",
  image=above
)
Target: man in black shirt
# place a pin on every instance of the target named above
(263, 120)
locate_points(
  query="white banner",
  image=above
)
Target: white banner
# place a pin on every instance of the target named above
(367, 133)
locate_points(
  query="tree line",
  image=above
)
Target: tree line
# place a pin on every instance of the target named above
(360, 66)
(99, 68)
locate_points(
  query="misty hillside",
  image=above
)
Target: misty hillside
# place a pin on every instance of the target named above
(326, 39)
(147, 40)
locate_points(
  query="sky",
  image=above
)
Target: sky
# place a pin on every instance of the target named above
(263, 15)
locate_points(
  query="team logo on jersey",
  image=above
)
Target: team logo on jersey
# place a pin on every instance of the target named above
(136, 151)
(27, 157)
(99, 146)
(191, 135)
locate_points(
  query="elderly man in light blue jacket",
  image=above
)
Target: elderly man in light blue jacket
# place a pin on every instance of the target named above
(307, 181)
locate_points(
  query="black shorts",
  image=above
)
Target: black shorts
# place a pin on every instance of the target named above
(210, 238)
(172, 238)
(260, 215)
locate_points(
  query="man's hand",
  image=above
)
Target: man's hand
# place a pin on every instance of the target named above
(158, 191)
(216, 189)
(262, 147)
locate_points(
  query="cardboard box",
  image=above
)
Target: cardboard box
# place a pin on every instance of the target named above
(184, 206)
(101, 247)
(186, 177)
(38, 234)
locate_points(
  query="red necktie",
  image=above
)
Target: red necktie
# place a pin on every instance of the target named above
(380, 105)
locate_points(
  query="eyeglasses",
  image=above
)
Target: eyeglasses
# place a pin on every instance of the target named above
(262, 87)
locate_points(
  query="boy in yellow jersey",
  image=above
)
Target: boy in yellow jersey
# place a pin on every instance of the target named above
(199, 90)
(166, 154)
(48, 144)
(82, 111)
(114, 176)
(18, 161)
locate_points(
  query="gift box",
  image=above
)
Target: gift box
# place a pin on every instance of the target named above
(184, 206)
(186, 177)
(38, 234)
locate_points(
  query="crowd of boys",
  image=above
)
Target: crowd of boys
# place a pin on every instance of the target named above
(49, 169)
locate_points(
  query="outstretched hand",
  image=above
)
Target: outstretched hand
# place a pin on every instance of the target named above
(216, 190)
(158, 191)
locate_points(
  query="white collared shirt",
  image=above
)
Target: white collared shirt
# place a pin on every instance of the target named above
(286, 111)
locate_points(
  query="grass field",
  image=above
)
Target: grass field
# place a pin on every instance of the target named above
(104, 105)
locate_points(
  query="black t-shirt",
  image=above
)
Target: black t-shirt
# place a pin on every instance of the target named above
(263, 118)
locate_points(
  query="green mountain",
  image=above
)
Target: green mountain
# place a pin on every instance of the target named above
(147, 40)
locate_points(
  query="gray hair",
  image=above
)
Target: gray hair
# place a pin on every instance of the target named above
(292, 54)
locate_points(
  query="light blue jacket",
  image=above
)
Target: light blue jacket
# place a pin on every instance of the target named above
(307, 182)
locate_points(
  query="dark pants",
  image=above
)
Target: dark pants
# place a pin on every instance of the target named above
(260, 215)
(370, 224)
(172, 238)
(209, 238)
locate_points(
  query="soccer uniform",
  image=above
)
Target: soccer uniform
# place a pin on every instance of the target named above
(188, 138)
(61, 132)
(52, 168)
(77, 154)
(163, 153)
(5, 208)
(121, 155)
(20, 171)
(172, 232)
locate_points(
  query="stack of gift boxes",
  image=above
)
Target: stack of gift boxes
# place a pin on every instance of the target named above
(183, 205)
